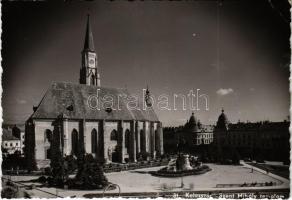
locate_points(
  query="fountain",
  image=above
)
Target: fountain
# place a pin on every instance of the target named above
(183, 165)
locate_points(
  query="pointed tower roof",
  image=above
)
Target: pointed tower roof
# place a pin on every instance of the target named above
(88, 43)
(222, 122)
(192, 124)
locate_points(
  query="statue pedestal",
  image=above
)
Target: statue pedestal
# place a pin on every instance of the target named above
(183, 163)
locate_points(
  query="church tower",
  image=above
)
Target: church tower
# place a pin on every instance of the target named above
(89, 73)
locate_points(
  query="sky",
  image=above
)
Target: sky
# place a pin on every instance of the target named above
(235, 52)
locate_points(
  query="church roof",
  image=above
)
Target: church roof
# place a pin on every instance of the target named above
(71, 100)
(88, 43)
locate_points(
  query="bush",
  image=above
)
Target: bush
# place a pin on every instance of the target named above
(42, 179)
(70, 164)
(9, 193)
(90, 174)
(70, 183)
(50, 181)
(13, 161)
(48, 171)
(9, 183)
(143, 156)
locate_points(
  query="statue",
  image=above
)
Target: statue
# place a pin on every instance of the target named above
(181, 146)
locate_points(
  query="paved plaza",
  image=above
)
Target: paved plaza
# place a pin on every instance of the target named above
(141, 181)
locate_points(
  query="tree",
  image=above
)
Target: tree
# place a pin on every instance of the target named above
(29, 147)
(57, 160)
(90, 173)
(235, 157)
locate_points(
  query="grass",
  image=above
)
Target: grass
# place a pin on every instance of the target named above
(279, 170)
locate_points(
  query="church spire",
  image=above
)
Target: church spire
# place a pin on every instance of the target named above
(89, 72)
(88, 42)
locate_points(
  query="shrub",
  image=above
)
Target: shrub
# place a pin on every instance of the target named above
(9, 183)
(50, 181)
(9, 193)
(143, 156)
(48, 171)
(90, 174)
(70, 164)
(70, 183)
(42, 179)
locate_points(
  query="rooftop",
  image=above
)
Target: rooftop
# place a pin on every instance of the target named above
(73, 100)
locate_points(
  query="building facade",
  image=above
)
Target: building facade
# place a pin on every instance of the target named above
(92, 119)
(10, 143)
(196, 133)
(193, 133)
(259, 140)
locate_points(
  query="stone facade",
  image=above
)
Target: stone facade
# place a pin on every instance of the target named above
(124, 147)
(253, 140)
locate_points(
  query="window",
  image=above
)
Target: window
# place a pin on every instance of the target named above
(156, 140)
(74, 139)
(114, 135)
(11, 144)
(127, 140)
(142, 141)
(94, 141)
(16, 144)
(48, 153)
(48, 135)
(6, 144)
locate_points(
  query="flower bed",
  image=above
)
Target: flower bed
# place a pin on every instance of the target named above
(165, 173)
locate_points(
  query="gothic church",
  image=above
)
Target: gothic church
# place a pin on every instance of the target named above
(111, 135)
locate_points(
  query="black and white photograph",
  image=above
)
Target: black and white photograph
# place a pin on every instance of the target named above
(145, 99)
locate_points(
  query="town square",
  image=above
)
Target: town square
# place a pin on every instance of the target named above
(146, 99)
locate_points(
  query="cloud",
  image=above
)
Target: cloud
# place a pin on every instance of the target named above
(21, 101)
(223, 91)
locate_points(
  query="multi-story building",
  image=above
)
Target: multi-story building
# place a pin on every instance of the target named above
(10, 143)
(193, 133)
(258, 140)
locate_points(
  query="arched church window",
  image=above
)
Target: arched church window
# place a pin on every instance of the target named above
(48, 153)
(127, 140)
(114, 135)
(156, 140)
(48, 135)
(74, 139)
(142, 140)
(94, 141)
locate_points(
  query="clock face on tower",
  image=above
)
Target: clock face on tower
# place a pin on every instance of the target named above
(91, 61)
